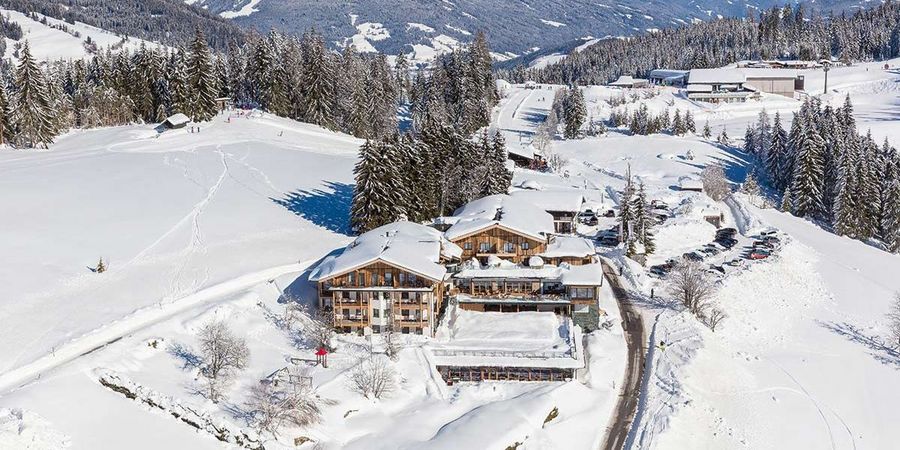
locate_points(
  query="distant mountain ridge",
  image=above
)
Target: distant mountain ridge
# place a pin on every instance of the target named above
(513, 28)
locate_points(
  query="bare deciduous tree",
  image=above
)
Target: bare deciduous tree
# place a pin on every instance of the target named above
(273, 406)
(714, 318)
(223, 354)
(554, 162)
(392, 343)
(320, 328)
(894, 317)
(714, 182)
(692, 285)
(373, 377)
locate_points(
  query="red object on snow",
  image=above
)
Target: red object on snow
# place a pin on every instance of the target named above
(321, 351)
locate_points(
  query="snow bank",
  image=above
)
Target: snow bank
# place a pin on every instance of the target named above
(25, 430)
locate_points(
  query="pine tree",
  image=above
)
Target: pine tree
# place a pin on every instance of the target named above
(775, 155)
(787, 205)
(32, 115)
(751, 186)
(574, 113)
(201, 85)
(317, 82)
(626, 212)
(689, 122)
(749, 141)
(891, 221)
(6, 128)
(678, 126)
(642, 222)
(707, 132)
(724, 139)
(809, 173)
(378, 196)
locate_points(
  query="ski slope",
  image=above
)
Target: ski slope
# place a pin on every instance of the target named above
(170, 215)
(48, 41)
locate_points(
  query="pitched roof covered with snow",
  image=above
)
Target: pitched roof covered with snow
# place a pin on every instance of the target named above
(627, 80)
(569, 246)
(716, 76)
(514, 214)
(177, 119)
(407, 245)
(552, 200)
(668, 73)
(769, 73)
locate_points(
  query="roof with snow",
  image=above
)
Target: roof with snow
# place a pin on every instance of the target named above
(716, 76)
(407, 245)
(628, 81)
(751, 73)
(567, 274)
(552, 200)
(690, 183)
(569, 246)
(668, 73)
(586, 275)
(177, 120)
(514, 214)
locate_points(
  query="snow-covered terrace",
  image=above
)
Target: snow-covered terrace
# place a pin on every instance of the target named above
(524, 339)
(407, 245)
(508, 212)
(569, 246)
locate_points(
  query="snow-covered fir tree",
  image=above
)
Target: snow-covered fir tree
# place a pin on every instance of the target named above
(689, 123)
(707, 131)
(574, 113)
(32, 114)
(809, 172)
(201, 84)
(642, 223)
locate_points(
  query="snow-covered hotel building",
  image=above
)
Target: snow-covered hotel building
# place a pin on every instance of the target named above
(513, 261)
(390, 277)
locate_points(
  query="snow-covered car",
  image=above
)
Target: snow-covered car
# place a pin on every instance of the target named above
(727, 242)
(660, 270)
(588, 217)
(759, 254)
(769, 232)
(609, 213)
(692, 256)
(710, 250)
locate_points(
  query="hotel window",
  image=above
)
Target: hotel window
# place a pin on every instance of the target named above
(351, 278)
(467, 246)
(509, 247)
(402, 279)
(525, 245)
(388, 279)
(374, 279)
(582, 292)
(412, 280)
(484, 247)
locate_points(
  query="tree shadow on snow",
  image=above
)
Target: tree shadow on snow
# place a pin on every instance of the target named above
(328, 208)
(881, 352)
(189, 359)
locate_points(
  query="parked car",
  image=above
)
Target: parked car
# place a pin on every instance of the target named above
(727, 242)
(769, 232)
(609, 213)
(737, 262)
(660, 270)
(658, 204)
(763, 244)
(772, 239)
(718, 269)
(759, 254)
(692, 256)
(587, 217)
(609, 241)
(709, 250)
(729, 232)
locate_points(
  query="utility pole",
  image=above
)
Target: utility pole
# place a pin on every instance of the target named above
(825, 68)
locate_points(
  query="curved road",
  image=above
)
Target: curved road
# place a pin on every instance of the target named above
(633, 325)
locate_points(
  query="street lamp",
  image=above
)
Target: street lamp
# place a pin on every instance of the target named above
(825, 68)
